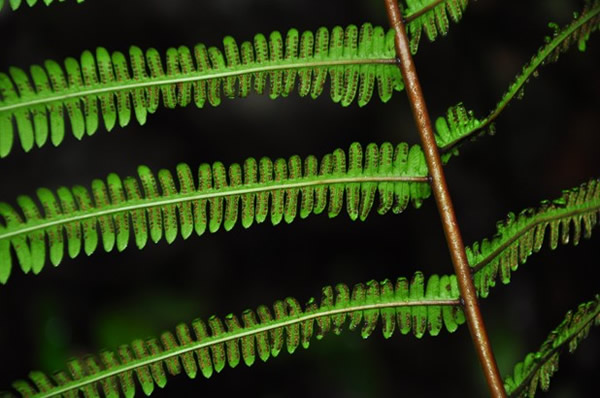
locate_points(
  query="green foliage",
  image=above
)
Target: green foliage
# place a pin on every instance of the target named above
(355, 60)
(456, 126)
(520, 236)
(461, 125)
(431, 17)
(15, 4)
(352, 61)
(417, 305)
(263, 188)
(538, 367)
(577, 32)
(457, 121)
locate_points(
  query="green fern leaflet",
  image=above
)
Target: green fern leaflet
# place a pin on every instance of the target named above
(452, 135)
(568, 218)
(356, 60)
(431, 17)
(458, 125)
(15, 4)
(538, 367)
(265, 189)
(419, 305)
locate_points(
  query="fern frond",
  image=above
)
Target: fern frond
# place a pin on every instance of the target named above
(539, 367)
(15, 4)
(355, 60)
(457, 124)
(418, 305)
(569, 218)
(266, 189)
(431, 17)
(578, 31)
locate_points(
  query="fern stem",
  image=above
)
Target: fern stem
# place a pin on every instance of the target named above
(528, 70)
(200, 76)
(528, 227)
(233, 336)
(444, 203)
(147, 203)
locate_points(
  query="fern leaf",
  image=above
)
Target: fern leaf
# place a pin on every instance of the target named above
(568, 218)
(418, 305)
(15, 4)
(456, 126)
(157, 208)
(538, 367)
(578, 31)
(431, 17)
(355, 60)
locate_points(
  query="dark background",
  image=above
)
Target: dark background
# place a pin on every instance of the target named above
(544, 143)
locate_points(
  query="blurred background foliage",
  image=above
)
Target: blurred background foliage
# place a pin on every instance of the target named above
(546, 142)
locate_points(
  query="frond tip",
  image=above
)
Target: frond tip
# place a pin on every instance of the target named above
(418, 305)
(277, 190)
(355, 60)
(568, 218)
(15, 4)
(538, 367)
(576, 32)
